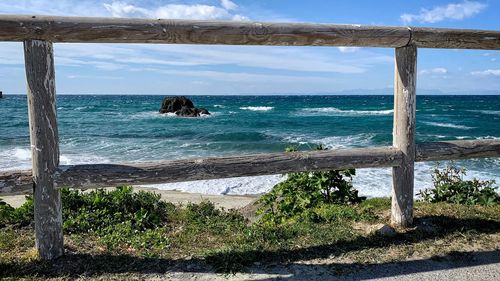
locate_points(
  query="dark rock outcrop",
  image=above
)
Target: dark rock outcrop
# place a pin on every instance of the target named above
(181, 106)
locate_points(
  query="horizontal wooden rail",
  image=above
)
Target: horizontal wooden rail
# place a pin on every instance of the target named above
(445, 38)
(103, 175)
(125, 30)
(122, 30)
(456, 150)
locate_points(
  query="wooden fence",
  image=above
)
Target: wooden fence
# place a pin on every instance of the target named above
(38, 33)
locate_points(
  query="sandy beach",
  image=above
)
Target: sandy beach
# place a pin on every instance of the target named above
(176, 197)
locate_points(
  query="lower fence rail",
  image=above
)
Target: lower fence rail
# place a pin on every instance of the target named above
(105, 175)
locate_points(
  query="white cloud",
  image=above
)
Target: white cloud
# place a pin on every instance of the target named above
(55, 8)
(297, 59)
(229, 5)
(488, 72)
(300, 66)
(11, 53)
(77, 76)
(437, 70)
(124, 8)
(114, 57)
(454, 11)
(175, 11)
(245, 77)
(348, 49)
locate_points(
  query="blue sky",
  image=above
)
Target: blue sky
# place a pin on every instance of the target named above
(190, 69)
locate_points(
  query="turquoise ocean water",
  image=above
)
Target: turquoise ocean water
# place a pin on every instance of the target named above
(112, 128)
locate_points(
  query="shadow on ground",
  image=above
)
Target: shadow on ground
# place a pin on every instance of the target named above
(427, 228)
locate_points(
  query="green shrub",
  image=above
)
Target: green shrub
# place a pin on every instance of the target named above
(119, 217)
(449, 186)
(20, 216)
(205, 216)
(94, 211)
(303, 192)
(6, 213)
(99, 209)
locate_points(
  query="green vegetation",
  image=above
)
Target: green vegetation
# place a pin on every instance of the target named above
(310, 195)
(313, 195)
(98, 210)
(119, 234)
(21, 216)
(122, 241)
(450, 186)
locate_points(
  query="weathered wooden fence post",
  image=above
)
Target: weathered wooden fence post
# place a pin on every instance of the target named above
(39, 60)
(404, 134)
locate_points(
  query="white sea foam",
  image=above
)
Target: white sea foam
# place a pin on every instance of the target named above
(488, 138)
(72, 159)
(346, 141)
(371, 182)
(333, 111)
(332, 141)
(156, 114)
(219, 105)
(79, 108)
(151, 115)
(19, 158)
(449, 125)
(228, 186)
(15, 158)
(22, 154)
(490, 112)
(257, 108)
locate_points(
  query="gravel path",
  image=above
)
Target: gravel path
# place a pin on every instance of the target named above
(468, 266)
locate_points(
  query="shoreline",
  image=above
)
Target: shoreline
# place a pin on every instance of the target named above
(172, 196)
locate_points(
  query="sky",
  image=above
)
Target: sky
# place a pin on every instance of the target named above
(235, 70)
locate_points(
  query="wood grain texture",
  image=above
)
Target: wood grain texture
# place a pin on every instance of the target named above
(122, 30)
(103, 175)
(223, 167)
(14, 182)
(455, 150)
(424, 37)
(404, 134)
(39, 60)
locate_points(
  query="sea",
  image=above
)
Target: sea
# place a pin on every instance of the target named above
(119, 128)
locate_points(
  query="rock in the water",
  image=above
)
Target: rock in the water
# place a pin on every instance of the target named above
(181, 106)
(187, 112)
(203, 111)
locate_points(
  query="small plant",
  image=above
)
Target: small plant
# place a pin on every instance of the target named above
(119, 217)
(450, 186)
(20, 216)
(99, 209)
(6, 213)
(207, 218)
(303, 192)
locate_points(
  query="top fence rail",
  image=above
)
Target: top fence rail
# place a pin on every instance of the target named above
(124, 30)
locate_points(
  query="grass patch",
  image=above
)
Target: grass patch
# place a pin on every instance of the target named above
(123, 234)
